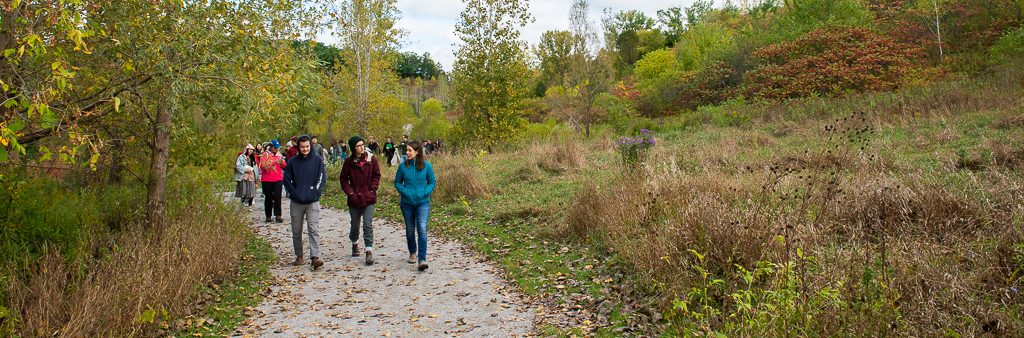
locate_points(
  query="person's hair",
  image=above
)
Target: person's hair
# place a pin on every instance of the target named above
(405, 136)
(418, 147)
(294, 138)
(302, 138)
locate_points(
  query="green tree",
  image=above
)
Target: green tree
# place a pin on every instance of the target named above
(673, 23)
(130, 74)
(410, 65)
(630, 34)
(432, 124)
(368, 36)
(554, 52)
(698, 11)
(490, 70)
(590, 69)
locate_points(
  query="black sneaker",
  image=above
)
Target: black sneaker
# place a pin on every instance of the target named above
(267, 220)
(280, 220)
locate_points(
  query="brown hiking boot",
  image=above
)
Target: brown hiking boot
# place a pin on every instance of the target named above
(355, 250)
(412, 259)
(298, 261)
(317, 262)
(423, 266)
(279, 220)
(369, 258)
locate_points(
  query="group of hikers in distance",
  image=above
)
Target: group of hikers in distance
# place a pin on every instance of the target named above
(300, 169)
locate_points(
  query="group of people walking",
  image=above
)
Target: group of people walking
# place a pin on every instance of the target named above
(301, 171)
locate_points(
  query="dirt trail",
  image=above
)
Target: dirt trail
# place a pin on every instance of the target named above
(458, 295)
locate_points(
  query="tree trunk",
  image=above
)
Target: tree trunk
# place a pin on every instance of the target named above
(158, 166)
(938, 29)
(116, 168)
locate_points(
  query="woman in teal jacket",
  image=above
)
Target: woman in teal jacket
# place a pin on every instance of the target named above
(415, 183)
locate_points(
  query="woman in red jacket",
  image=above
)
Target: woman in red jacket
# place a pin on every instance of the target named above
(360, 176)
(271, 165)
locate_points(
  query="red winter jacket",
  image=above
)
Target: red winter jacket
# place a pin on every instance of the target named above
(359, 180)
(271, 167)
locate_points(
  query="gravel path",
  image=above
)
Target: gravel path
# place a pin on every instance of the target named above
(459, 295)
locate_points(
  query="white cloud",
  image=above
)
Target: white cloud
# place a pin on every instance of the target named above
(430, 25)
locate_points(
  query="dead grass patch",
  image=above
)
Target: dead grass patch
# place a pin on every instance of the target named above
(458, 177)
(147, 275)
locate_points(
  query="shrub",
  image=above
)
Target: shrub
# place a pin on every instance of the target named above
(132, 279)
(458, 177)
(831, 62)
(618, 112)
(557, 155)
(634, 149)
(1010, 47)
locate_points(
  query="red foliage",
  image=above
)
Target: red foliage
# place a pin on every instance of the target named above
(626, 89)
(831, 61)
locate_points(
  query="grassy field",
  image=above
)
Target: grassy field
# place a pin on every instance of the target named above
(893, 213)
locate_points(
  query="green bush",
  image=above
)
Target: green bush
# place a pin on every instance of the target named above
(548, 131)
(1009, 48)
(727, 114)
(618, 112)
(38, 214)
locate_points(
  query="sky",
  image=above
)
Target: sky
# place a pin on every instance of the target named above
(430, 24)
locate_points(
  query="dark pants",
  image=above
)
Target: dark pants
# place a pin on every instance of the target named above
(272, 202)
(362, 217)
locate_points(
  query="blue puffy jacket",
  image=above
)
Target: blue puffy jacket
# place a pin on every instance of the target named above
(415, 186)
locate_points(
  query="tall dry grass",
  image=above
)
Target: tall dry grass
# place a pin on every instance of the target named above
(458, 177)
(872, 248)
(134, 279)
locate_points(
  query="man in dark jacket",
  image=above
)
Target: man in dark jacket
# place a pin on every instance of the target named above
(304, 179)
(360, 176)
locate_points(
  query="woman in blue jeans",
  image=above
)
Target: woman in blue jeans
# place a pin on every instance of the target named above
(415, 182)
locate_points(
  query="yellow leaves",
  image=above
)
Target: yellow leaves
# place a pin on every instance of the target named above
(128, 67)
(117, 104)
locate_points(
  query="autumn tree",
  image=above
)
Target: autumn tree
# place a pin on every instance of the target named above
(490, 70)
(590, 68)
(132, 72)
(369, 38)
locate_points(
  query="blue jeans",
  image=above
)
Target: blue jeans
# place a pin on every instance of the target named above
(416, 217)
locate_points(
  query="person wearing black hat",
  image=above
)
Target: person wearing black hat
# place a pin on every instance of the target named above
(360, 177)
